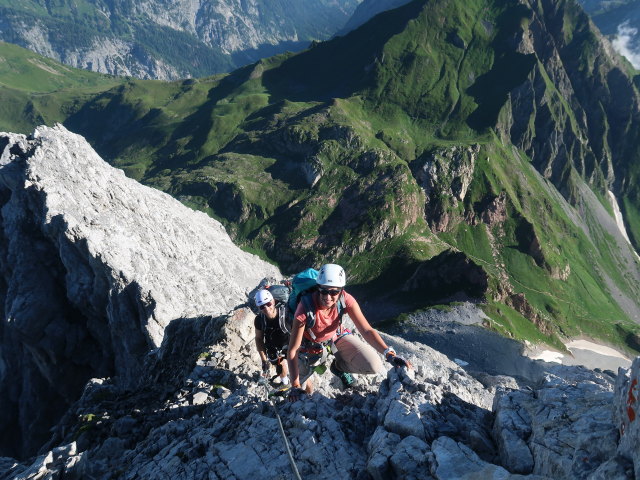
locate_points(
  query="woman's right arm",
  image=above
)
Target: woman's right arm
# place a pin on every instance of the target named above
(295, 340)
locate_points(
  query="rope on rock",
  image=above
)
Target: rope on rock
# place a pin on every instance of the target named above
(292, 461)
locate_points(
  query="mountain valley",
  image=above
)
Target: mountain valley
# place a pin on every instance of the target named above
(479, 154)
(438, 173)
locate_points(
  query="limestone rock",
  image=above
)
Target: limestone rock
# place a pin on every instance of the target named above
(229, 32)
(238, 435)
(95, 266)
(445, 176)
(562, 429)
(455, 461)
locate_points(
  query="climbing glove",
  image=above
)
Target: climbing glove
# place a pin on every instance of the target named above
(393, 359)
(295, 393)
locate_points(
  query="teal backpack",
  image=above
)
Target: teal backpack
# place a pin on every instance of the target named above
(302, 283)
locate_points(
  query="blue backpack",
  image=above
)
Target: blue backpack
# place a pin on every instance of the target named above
(301, 284)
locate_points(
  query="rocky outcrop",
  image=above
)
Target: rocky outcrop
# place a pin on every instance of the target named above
(626, 416)
(568, 113)
(445, 175)
(551, 434)
(94, 268)
(209, 418)
(114, 56)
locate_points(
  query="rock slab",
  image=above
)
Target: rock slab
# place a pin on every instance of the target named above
(94, 268)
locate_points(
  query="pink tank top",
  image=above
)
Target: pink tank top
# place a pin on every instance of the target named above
(326, 320)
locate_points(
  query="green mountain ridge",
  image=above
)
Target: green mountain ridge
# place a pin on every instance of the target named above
(443, 151)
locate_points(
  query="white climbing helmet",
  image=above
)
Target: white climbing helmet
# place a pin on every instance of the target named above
(331, 275)
(263, 296)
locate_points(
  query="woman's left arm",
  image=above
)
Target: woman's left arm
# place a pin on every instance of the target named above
(372, 337)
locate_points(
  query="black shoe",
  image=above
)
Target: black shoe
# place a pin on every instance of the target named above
(346, 378)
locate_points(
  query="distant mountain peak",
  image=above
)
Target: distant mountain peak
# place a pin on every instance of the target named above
(170, 40)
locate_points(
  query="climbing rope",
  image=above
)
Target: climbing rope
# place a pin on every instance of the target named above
(294, 467)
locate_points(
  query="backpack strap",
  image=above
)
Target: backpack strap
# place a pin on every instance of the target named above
(310, 311)
(283, 313)
(281, 310)
(341, 305)
(263, 321)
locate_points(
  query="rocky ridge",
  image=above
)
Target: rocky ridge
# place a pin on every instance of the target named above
(572, 136)
(196, 408)
(94, 269)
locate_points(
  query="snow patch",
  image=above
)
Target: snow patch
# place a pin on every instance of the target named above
(548, 356)
(594, 347)
(583, 352)
(618, 215)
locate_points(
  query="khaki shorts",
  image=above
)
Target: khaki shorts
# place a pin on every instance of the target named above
(356, 356)
(353, 356)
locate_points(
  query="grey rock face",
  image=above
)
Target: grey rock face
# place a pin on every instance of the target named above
(627, 394)
(562, 429)
(94, 268)
(334, 434)
(445, 176)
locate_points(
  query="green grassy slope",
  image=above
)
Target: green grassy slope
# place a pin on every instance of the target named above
(36, 90)
(389, 150)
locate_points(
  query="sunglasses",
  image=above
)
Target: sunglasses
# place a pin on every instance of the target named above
(265, 305)
(326, 291)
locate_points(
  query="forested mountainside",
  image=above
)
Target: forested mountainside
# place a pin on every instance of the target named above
(443, 151)
(165, 39)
